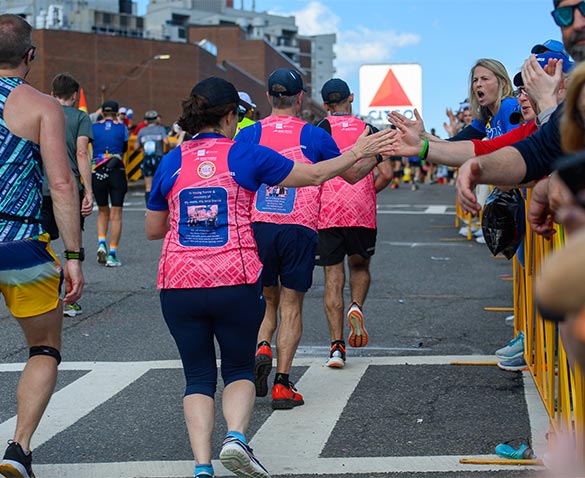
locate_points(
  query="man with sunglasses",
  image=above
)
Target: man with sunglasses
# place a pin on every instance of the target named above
(532, 158)
(32, 137)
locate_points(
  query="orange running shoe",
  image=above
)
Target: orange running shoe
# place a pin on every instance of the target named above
(358, 336)
(285, 398)
(262, 369)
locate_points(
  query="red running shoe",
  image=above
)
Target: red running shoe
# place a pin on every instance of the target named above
(284, 398)
(358, 336)
(262, 369)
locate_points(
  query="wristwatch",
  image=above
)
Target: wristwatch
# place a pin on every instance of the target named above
(79, 255)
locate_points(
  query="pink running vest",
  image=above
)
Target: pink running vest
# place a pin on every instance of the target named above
(210, 242)
(344, 204)
(277, 204)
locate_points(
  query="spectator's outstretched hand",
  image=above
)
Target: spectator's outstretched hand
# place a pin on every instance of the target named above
(467, 178)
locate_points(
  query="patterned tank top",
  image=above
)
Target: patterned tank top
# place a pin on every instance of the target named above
(21, 177)
(344, 204)
(210, 242)
(278, 204)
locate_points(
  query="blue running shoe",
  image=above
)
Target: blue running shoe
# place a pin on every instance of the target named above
(514, 349)
(515, 365)
(238, 458)
(524, 452)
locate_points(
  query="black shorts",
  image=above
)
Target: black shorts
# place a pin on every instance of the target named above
(287, 251)
(48, 216)
(109, 185)
(149, 165)
(337, 242)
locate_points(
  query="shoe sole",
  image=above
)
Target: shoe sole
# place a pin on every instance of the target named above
(262, 369)
(113, 265)
(101, 257)
(238, 462)
(512, 369)
(286, 403)
(358, 336)
(13, 469)
(71, 313)
(335, 363)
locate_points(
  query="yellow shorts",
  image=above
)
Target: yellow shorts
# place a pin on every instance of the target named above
(30, 276)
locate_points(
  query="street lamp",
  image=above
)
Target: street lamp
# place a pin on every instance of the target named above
(133, 74)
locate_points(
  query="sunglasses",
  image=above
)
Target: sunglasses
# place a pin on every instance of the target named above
(565, 16)
(520, 91)
(32, 56)
(241, 112)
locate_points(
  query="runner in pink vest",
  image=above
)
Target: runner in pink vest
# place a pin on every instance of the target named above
(347, 225)
(285, 224)
(209, 269)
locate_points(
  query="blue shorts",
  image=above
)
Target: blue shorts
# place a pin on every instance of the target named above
(230, 314)
(287, 252)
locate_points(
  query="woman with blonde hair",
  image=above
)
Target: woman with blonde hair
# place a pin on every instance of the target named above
(573, 119)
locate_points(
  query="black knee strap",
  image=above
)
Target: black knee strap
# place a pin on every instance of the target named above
(45, 350)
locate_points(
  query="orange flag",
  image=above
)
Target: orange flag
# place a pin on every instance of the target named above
(82, 103)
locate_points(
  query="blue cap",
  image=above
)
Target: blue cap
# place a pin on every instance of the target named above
(285, 82)
(550, 45)
(542, 59)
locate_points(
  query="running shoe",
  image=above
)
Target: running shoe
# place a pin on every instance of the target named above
(358, 336)
(336, 356)
(524, 452)
(515, 365)
(113, 261)
(71, 310)
(239, 458)
(514, 349)
(262, 368)
(285, 398)
(101, 254)
(203, 475)
(16, 464)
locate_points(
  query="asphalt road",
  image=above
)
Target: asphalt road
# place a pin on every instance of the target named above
(398, 408)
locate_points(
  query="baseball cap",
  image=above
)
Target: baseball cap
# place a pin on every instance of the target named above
(285, 82)
(110, 107)
(516, 115)
(122, 110)
(550, 45)
(245, 100)
(130, 113)
(151, 115)
(542, 59)
(216, 91)
(335, 91)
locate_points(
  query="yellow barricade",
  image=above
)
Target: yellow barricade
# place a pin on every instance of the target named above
(133, 159)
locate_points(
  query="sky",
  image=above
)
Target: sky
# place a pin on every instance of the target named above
(446, 37)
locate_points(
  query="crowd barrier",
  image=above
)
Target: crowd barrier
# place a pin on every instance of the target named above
(557, 377)
(133, 159)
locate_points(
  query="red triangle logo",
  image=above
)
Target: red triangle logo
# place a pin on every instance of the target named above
(390, 93)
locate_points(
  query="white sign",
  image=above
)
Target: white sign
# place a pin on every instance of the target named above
(385, 88)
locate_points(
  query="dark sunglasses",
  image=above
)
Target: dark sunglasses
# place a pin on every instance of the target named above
(32, 56)
(241, 112)
(565, 16)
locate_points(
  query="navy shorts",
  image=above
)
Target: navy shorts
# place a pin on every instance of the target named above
(230, 314)
(337, 242)
(287, 252)
(149, 165)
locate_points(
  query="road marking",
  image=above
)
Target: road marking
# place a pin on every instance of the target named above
(308, 427)
(421, 244)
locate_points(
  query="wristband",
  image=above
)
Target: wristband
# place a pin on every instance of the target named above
(379, 158)
(425, 151)
(77, 255)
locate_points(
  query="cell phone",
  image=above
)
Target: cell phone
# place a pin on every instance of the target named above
(571, 170)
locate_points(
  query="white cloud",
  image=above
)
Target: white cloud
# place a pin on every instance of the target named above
(356, 46)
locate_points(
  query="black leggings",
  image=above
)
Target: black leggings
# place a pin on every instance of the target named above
(232, 315)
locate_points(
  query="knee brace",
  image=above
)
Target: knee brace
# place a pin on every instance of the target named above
(45, 350)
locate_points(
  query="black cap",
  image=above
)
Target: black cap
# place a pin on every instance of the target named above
(285, 82)
(151, 115)
(216, 91)
(335, 91)
(110, 107)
